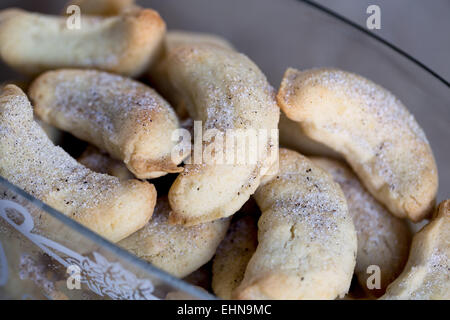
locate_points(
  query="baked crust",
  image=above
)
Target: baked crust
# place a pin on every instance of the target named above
(129, 120)
(383, 239)
(233, 255)
(372, 129)
(101, 162)
(176, 249)
(106, 205)
(306, 237)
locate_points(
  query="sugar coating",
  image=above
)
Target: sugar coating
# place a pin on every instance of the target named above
(383, 239)
(305, 235)
(99, 161)
(372, 129)
(233, 254)
(318, 209)
(379, 102)
(100, 102)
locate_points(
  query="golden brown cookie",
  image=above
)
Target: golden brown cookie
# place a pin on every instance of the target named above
(372, 130)
(427, 272)
(227, 93)
(383, 239)
(129, 120)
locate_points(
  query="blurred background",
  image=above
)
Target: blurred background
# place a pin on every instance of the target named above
(421, 28)
(277, 34)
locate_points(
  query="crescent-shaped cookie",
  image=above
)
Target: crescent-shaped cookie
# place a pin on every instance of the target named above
(126, 44)
(101, 162)
(306, 238)
(227, 93)
(373, 131)
(158, 73)
(383, 239)
(427, 273)
(127, 119)
(112, 208)
(176, 249)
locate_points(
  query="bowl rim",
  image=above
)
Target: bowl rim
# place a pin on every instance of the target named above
(371, 34)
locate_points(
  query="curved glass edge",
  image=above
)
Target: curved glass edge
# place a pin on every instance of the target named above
(113, 248)
(376, 37)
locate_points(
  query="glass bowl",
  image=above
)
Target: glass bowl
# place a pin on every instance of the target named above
(274, 34)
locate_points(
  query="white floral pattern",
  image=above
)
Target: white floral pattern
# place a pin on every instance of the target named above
(101, 276)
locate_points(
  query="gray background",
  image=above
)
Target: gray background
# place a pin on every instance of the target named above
(419, 27)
